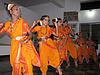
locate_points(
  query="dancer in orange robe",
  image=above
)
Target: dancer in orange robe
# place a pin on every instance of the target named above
(70, 46)
(22, 53)
(91, 49)
(82, 49)
(59, 32)
(48, 51)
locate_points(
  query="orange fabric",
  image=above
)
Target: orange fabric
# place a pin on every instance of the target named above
(60, 31)
(91, 49)
(43, 31)
(67, 30)
(62, 49)
(70, 45)
(65, 43)
(21, 54)
(48, 52)
(82, 50)
(59, 45)
(58, 42)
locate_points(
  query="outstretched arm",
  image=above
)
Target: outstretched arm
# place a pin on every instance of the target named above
(1, 27)
(56, 31)
(34, 24)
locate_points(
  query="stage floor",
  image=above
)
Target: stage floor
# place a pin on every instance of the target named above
(84, 69)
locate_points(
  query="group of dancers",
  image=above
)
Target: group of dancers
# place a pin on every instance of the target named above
(55, 43)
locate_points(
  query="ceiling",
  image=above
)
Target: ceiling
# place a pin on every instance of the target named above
(28, 3)
(36, 2)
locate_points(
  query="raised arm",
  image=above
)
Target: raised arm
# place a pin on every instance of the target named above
(1, 27)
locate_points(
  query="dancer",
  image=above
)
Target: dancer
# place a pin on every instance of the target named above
(22, 53)
(70, 45)
(48, 51)
(59, 39)
(91, 49)
(82, 49)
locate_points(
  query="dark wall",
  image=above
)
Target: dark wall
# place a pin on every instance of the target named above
(90, 5)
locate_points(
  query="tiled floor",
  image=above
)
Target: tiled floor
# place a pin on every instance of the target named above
(85, 69)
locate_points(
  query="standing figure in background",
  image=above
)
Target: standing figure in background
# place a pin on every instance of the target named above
(48, 51)
(22, 53)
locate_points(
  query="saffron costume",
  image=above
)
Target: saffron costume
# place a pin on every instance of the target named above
(82, 49)
(22, 55)
(48, 51)
(70, 46)
(91, 49)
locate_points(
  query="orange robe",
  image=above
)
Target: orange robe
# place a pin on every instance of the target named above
(82, 50)
(60, 44)
(22, 55)
(91, 49)
(48, 51)
(69, 45)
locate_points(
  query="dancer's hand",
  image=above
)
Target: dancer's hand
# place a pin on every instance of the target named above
(34, 23)
(55, 23)
(1, 25)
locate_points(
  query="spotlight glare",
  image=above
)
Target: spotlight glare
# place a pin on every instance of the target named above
(90, 13)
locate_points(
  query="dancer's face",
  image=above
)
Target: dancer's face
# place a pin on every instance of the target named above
(59, 22)
(46, 21)
(15, 11)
